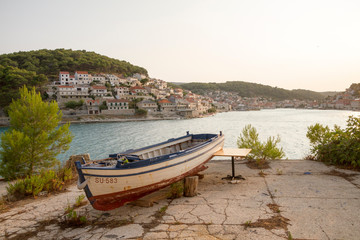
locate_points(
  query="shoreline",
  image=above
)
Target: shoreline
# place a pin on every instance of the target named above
(4, 121)
(110, 119)
(116, 119)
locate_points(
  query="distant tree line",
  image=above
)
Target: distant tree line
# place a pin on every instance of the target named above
(12, 78)
(50, 62)
(246, 89)
(34, 68)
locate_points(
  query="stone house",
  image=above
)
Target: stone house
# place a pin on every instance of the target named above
(137, 90)
(117, 104)
(355, 104)
(122, 91)
(64, 78)
(99, 91)
(69, 91)
(93, 106)
(148, 105)
(166, 106)
(98, 78)
(82, 77)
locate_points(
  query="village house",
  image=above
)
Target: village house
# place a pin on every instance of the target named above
(82, 77)
(97, 78)
(137, 90)
(93, 106)
(99, 91)
(160, 84)
(69, 91)
(166, 106)
(117, 104)
(64, 78)
(114, 80)
(148, 105)
(132, 82)
(343, 104)
(122, 91)
(355, 104)
(118, 107)
(192, 103)
(153, 91)
(179, 92)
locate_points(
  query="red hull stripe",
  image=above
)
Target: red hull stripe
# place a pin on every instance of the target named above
(114, 200)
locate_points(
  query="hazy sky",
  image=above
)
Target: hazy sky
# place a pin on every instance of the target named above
(285, 43)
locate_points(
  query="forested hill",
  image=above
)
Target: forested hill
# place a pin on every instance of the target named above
(35, 68)
(51, 62)
(246, 89)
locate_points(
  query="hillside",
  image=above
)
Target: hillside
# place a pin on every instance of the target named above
(50, 62)
(35, 68)
(246, 89)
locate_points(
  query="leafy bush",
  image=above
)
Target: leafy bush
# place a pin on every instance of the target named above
(260, 151)
(177, 189)
(337, 146)
(73, 218)
(74, 104)
(50, 181)
(103, 106)
(211, 110)
(141, 112)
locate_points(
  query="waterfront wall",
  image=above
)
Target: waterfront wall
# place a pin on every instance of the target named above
(119, 112)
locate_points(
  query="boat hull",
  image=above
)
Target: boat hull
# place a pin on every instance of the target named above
(108, 189)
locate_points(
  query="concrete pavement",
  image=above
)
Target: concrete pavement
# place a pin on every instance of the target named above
(294, 199)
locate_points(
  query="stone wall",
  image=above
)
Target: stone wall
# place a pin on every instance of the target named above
(119, 112)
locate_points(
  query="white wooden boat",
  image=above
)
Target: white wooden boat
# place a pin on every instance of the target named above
(130, 175)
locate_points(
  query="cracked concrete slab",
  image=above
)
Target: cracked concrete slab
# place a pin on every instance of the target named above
(316, 204)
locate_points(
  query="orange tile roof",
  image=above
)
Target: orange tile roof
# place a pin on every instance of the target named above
(138, 87)
(93, 101)
(164, 101)
(65, 86)
(64, 73)
(82, 72)
(98, 87)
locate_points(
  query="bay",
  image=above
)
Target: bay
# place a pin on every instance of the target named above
(101, 139)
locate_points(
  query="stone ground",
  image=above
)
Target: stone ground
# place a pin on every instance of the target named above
(294, 199)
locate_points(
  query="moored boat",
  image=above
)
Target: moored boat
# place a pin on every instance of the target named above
(127, 176)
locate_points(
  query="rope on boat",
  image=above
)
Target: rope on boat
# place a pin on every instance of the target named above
(82, 185)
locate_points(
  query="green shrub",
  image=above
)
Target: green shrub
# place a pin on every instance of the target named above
(141, 112)
(249, 138)
(50, 181)
(79, 200)
(73, 218)
(74, 104)
(103, 106)
(177, 189)
(337, 146)
(211, 110)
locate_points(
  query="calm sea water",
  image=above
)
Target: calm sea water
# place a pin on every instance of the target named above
(101, 139)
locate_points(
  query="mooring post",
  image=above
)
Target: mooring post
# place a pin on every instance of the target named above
(190, 186)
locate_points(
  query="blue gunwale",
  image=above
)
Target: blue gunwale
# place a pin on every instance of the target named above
(144, 172)
(163, 158)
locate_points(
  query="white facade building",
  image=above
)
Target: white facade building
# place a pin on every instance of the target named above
(82, 77)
